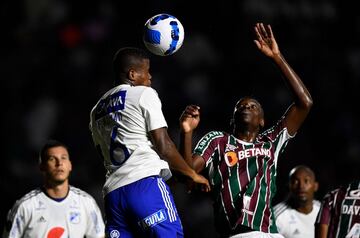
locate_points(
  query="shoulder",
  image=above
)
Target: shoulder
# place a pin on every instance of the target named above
(214, 134)
(280, 209)
(79, 192)
(316, 203)
(211, 136)
(316, 206)
(82, 195)
(148, 91)
(29, 196)
(26, 201)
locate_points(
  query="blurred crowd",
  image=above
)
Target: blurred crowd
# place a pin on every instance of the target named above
(57, 60)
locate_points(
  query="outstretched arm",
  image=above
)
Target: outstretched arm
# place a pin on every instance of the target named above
(189, 120)
(167, 150)
(298, 111)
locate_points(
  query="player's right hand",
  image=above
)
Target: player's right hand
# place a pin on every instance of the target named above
(190, 118)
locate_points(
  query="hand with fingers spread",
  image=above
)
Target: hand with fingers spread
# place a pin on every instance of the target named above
(265, 41)
(230, 160)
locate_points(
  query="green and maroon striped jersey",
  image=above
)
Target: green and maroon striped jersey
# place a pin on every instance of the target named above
(340, 210)
(243, 177)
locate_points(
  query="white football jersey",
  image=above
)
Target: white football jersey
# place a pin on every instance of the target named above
(294, 224)
(120, 123)
(36, 215)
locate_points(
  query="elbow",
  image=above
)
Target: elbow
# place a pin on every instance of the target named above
(308, 103)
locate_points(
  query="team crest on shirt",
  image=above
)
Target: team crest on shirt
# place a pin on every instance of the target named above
(74, 217)
(231, 158)
(114, 234)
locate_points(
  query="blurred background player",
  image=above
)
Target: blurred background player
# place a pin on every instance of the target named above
(242, 166)
(130, 132)
(295, 217)
(339, 214)
(57, 209)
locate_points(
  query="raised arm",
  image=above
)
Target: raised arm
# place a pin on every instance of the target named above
(189, 120)
(298, 111)
(167, 150)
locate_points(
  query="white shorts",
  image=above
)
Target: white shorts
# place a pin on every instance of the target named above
(257, 234)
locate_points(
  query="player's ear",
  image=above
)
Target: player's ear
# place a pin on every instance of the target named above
(262, 123)
(316, 186)
(132, 74)
(70, 166)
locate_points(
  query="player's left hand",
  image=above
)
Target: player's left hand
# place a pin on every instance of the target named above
(265, 41)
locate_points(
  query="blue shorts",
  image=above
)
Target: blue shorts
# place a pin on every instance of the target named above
(144, 208)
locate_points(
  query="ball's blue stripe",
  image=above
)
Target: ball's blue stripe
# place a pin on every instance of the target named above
(152, 36)
(174, 37)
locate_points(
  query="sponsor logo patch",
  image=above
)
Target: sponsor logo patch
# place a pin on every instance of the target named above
(153, 219)
(231, 158)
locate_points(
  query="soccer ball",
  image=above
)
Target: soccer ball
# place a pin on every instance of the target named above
(163, 34)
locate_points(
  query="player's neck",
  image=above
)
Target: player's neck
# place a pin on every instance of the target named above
(58, 190)
(305, 208)
(247, 136)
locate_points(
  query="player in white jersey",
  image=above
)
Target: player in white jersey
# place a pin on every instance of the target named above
(56, 210)
(295, 217)
(130, 132)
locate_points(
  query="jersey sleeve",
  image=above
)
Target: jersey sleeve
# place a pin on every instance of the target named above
(207, 145)
(278, 135)
(152, 109)
(16, 221)
(96, 226)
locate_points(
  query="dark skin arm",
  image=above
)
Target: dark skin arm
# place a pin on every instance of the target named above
(303, 102)
(189, 120)
(167, 150)
(321, 230)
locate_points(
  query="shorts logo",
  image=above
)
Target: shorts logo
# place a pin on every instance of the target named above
(114, 234)
(153, 219)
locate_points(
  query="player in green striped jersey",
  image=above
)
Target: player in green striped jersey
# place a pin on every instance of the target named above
(242, 165)
(339, 215)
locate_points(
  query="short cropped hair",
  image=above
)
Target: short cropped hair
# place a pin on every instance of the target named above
(126, 58)
(302, 167)
(49, 144)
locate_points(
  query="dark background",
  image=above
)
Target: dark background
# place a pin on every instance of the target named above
(56, 62)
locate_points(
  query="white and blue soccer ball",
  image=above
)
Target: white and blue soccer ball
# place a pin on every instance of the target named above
(163, 34)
